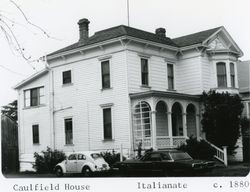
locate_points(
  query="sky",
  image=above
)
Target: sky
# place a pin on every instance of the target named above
(58, 18)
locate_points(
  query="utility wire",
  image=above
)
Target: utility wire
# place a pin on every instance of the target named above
(11, 71)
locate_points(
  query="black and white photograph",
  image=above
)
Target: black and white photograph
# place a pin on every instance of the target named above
(129, 95)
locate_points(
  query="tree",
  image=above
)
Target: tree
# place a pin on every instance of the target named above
(221, 118)
(8, 26)
(10, 110)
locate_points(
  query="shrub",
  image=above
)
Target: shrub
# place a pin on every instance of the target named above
(47, 160)
(198, 149)
(111, 157)
(221, 118)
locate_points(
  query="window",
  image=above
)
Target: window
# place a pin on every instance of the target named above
(105, 74)
(35, 132)
(144, 71)
(221, 75)
(72, 157)
(232, 75)
(107, 123)
(81, 157)
(170, 76)
(68, 131)
(142, 121)
(66, 75)
(34, 97)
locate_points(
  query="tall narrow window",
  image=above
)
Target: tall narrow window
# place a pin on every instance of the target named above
(170, 76)
(144, 71)
(107, 123)
(105, 74)
(232, 75)
(34, 97)
(35, 132)
(221, 75)
(68, 131)
(66, 75)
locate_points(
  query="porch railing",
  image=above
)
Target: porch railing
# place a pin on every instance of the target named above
(168, 142)
(221, 154)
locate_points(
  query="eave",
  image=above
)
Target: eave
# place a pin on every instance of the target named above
(168, 94)
(118, 39)
(31, 78)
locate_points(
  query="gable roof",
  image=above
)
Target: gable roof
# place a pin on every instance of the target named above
(194, 38)
(119, 31)
(31, 78)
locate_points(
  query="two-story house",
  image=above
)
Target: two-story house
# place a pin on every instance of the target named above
(123, 86)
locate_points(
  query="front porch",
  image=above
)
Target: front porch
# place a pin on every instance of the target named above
(164, 119)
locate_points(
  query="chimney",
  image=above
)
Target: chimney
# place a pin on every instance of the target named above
(83, 30)
(161, 32)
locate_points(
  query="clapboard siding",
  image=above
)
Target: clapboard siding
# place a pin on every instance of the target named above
(208, 71)
(188, 76)
(28, 117)
(83, 99)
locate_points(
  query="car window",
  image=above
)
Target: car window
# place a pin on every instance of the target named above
(153, 157)
(180, 156)
(96, 155)
(72, 157)
(81, 157)
(165, 156)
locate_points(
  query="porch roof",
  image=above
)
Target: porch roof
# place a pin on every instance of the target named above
(168, 94)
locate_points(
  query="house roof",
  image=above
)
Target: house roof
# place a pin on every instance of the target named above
(32, 78)
(194, 38)
(119, 31)
(123, 30)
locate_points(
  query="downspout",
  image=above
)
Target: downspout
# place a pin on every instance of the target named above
(53, 117)
(51, 100)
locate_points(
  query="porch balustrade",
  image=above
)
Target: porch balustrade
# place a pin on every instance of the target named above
(165, 141)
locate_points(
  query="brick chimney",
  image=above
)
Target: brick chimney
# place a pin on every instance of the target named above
(161, 32)
(83, 30)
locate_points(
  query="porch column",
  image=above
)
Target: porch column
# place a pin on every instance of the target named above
(154, 130)
(184, 121)
(170, 133)
(197, 121)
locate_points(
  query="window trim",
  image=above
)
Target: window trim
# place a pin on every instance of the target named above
(33, 126)
(173, 65)
(225, 75)
(71, 73)
(148, 71)
(233, 83)
(30, 100)
(110, 84)
(103, 107)
(65, 138)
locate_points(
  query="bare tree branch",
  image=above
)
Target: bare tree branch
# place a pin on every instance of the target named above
(28, 21)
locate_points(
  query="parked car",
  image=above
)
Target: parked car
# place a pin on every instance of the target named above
(87, 163)
(168, 162)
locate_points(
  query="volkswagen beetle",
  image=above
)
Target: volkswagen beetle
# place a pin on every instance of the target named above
(87, 163)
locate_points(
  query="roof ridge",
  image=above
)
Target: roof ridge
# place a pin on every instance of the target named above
(198, 32)
(108, 29)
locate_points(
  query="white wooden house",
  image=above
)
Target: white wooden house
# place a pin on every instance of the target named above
(123, 86)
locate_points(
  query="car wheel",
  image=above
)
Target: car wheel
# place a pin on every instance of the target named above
(59, 172)
(86, 172)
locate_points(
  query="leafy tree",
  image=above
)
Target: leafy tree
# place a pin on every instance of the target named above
(221, 118)
(10, 110)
